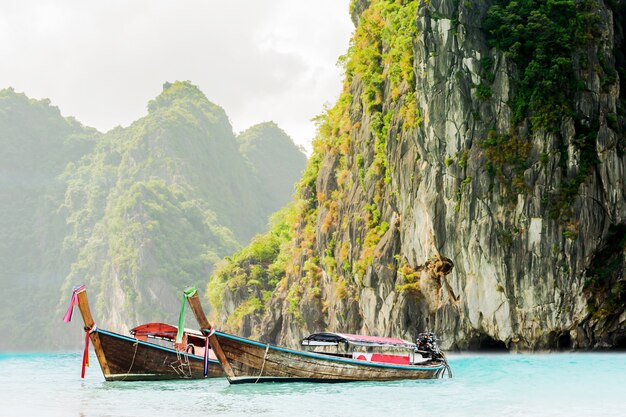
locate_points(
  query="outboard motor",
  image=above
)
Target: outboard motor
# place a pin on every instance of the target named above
(427, 346)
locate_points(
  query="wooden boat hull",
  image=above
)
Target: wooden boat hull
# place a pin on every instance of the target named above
(129, 359)
(124, 358)
(253, 362)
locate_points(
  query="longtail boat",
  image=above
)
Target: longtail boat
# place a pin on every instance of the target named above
(249, 361)
(154, 352)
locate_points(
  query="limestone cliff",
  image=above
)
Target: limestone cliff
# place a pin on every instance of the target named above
(470, 181)
(156, 204)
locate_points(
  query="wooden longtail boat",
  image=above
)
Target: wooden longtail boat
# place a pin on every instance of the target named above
(152, 354)
(248, 361)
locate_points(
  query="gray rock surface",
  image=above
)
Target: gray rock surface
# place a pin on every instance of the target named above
(520, 272)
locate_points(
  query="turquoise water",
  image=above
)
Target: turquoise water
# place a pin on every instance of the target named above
(550, 385)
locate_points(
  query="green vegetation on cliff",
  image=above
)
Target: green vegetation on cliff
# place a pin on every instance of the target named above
(542, 37)
(380, 62)
(137, 213)
(392, 189)
(253, 273)
(158, 203)
(555, 48)
(37, 143)
(549, 44)
(144, 204)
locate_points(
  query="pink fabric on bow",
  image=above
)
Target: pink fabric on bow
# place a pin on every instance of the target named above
(68, 314)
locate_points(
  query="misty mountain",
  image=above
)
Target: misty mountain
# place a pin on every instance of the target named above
(136, 213)
(264, 144)
(37, 143)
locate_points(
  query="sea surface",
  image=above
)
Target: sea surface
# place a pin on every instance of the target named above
(551, 385)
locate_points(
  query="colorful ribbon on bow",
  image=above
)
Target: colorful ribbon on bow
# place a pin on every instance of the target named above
(75, 291)
(86, 350)
(181, 318)
(206, 352)
(206, 357)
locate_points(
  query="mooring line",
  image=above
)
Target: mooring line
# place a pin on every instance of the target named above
(263, 366)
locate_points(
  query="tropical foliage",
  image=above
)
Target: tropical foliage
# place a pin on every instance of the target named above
(137, 213)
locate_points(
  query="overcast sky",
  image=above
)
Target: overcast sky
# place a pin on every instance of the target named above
(101, 61)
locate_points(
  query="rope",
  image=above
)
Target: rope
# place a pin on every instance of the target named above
(186, 356)
(445, 361)
(267, 347)
(179, 365)
(132, 362)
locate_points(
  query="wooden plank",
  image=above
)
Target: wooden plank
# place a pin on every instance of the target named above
(83, 305)
(205, 326)
(134, 361)
(244, 361)
(124, 359)
(247, 361)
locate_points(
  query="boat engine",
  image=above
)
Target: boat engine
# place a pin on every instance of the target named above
(427, 346)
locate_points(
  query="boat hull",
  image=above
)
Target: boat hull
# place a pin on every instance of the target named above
(254, 362)
(129, 359)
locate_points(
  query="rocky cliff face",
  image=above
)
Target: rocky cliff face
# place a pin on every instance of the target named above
(469, 181)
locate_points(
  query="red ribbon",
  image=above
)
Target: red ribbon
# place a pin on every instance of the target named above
(85, 356)
(86, 350)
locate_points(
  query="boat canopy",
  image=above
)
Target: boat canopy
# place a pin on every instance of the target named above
(166, 331)
(333, 339)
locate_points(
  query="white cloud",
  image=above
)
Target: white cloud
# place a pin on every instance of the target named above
(102, 61)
